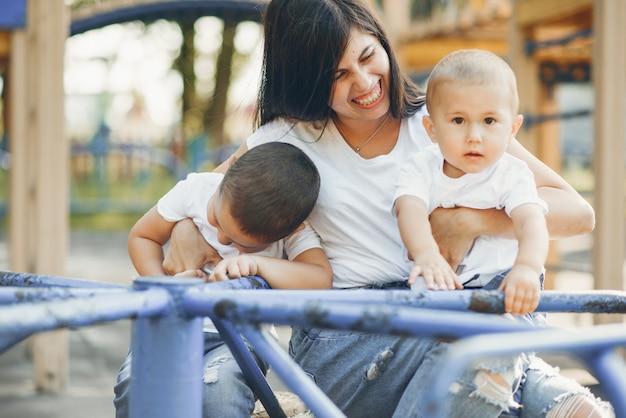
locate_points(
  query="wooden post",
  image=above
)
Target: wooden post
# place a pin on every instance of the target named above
(541, 139)
(609, 80)
(38, 204)
(549, 151)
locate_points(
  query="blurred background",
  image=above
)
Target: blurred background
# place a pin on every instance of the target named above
(148, 99)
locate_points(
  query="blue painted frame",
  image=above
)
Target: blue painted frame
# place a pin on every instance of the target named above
(167, 330)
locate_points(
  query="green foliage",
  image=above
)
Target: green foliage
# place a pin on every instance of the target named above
(112, 203)
(116, 202)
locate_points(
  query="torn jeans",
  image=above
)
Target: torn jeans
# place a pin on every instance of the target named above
(379, 375)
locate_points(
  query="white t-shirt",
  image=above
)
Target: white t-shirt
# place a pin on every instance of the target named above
(505, 185)
(189, 198)
(352, 216)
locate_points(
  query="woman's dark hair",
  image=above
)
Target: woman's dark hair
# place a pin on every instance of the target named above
(304, 42)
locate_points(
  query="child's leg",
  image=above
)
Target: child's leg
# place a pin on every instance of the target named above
(122, 388)
(225, 390)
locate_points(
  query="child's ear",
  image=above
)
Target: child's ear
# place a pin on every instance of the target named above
(517, 123)
(300, 227)
(427, 121)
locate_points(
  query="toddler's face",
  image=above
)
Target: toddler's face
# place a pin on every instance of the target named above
(472, 124)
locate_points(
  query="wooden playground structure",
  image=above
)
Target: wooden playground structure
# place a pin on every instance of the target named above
(529, 33)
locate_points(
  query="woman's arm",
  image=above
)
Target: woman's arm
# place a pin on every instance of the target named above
(188, 250)
(568, 213)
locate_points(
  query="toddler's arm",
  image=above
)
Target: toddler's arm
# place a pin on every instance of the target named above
(417, 236)
(309, 270)
(521, 286)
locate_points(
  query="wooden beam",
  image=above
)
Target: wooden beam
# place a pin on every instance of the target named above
(424, 54)
(533, 12)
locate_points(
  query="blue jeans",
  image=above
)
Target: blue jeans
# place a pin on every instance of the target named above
(378, 376)
(225, 391)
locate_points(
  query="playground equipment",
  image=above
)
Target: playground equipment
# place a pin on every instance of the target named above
(167, 330)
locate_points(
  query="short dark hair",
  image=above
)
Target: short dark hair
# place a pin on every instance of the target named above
(271, 189)
(304, 42)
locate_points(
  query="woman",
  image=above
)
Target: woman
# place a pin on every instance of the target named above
(331, 85)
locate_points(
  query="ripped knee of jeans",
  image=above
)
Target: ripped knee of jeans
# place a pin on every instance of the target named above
(378, 365)
(574, 405)
(497, 385)
(496, 388)
(211, 370)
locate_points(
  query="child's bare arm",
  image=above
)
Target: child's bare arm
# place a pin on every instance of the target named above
(145, 243)
(309, 270)
(422, 248)
(521, 286)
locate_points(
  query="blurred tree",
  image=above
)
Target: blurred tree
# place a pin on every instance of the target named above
(185, 65)
(199, 115)
(216, 111)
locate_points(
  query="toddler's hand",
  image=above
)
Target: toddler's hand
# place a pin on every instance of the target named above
(234, 267)
(521, 290)
(437, 273)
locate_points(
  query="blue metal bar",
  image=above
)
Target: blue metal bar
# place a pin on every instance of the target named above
(261, 306)
(608, 368)
(586, 344)
(252, 282)
(293, 376)
(484, 301)
(11, 295)
(20, 321)
(166, 374)
(9, 278)
(249, 367)
(167, 337)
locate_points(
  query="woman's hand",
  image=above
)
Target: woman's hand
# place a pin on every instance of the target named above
(188, 250)
(453, 231)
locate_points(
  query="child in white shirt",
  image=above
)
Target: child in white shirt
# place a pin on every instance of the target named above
(473, 102)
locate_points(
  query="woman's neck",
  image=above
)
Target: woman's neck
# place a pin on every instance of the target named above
(369, 139)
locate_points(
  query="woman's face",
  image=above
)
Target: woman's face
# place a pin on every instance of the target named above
(361, 89)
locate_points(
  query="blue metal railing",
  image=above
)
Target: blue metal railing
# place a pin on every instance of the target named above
(166, 336)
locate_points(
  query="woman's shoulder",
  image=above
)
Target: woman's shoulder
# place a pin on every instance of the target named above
(286, 130)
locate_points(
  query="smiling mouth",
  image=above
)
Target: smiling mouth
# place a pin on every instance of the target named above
(374, 95)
